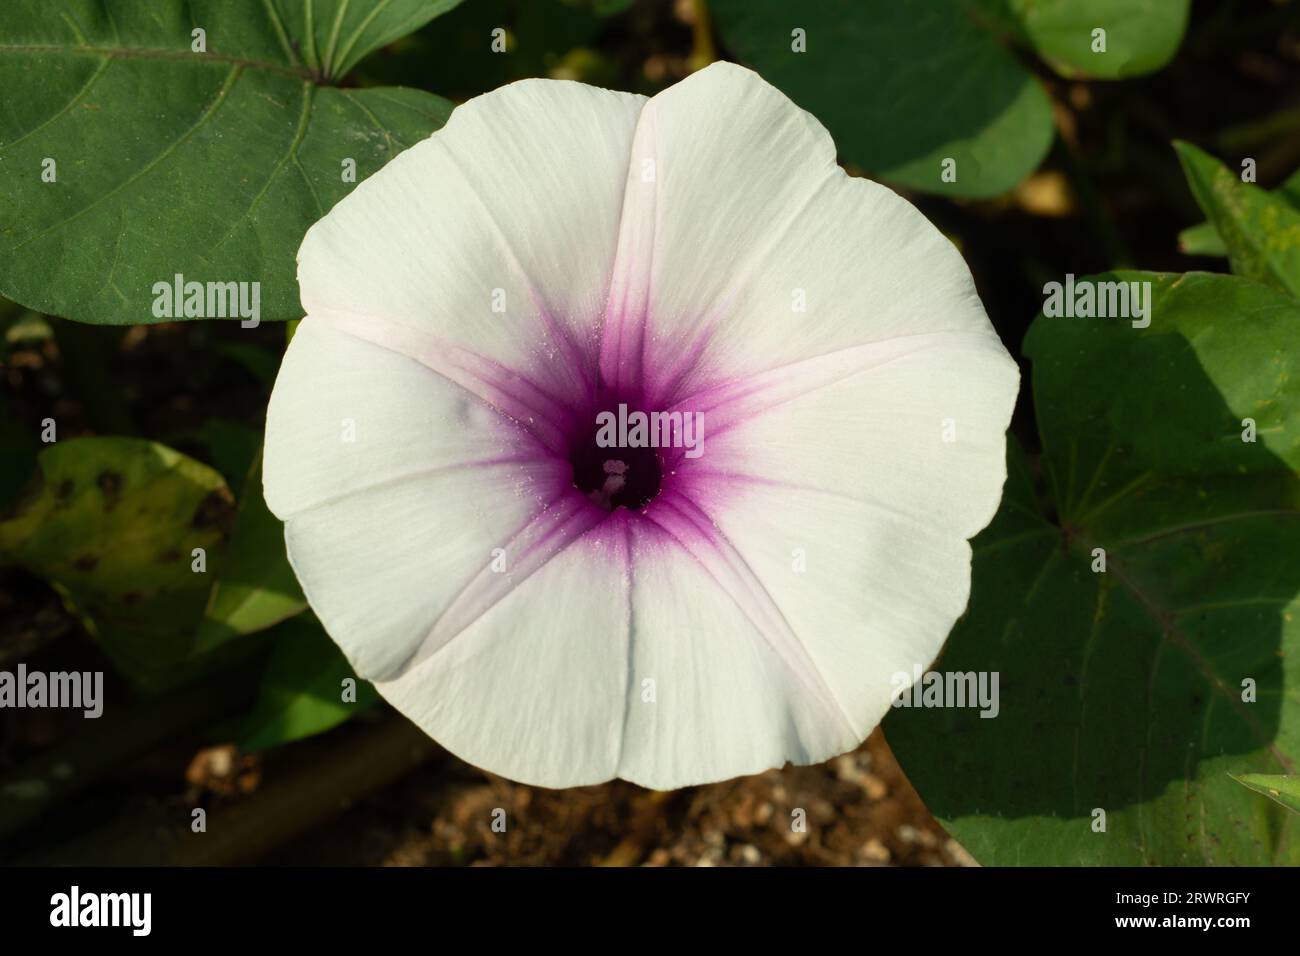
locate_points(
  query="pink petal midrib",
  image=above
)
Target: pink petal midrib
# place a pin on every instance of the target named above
(727, 567)
(511, 394)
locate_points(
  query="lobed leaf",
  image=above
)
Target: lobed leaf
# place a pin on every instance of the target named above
(1136, 691)
(149, 140)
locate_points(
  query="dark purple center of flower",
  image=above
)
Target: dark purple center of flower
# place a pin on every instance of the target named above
(618, 475)
(614, 463)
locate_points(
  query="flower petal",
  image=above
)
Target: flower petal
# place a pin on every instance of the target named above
(853, 507)
(493, 239)
(534, 687)
(613, 660)
(748, 247)
(394, 484)
(737, 692)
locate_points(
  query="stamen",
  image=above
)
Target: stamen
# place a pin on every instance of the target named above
(629, 480)
(614, 483)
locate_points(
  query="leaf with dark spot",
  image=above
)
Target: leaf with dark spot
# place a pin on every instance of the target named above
(217, 510)
(109, 483)
(105, 559)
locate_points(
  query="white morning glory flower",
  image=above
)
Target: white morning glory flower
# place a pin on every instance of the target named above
(561, 259)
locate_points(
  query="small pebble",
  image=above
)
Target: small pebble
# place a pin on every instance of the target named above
(873, 851)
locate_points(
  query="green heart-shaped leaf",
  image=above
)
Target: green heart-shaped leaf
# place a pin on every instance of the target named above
(1139, 36)
(1128, 695)
(130, 158)
(902, 87)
